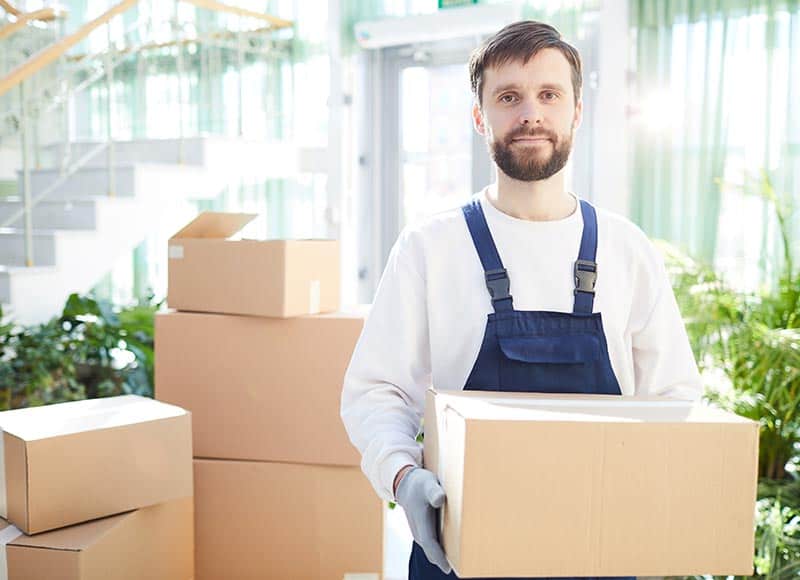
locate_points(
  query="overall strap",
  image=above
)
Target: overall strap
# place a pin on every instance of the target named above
(497, 280)
(585, 266)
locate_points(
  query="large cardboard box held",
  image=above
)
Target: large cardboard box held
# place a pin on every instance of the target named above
(257, 520)
(209, 273)
(156, 543)
(592, 485)
(264, 389)
(72, 462)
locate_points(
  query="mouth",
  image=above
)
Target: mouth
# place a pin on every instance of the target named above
(531, 140)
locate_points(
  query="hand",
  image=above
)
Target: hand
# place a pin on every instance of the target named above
(420, 495)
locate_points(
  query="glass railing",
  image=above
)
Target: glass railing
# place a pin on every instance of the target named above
(85, 77)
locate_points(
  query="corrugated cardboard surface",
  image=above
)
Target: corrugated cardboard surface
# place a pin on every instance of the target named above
(62, 480)
(257, 520)
(259, 388)
(585, 489)
(156, 543)
(277, 278)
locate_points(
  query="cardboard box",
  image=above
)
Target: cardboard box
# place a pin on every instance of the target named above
(156, 543)
(72, 462)
(265, 389)
(257, 520)
(281, 278)
(592, 485)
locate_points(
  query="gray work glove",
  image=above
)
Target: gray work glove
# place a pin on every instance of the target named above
(420, 495)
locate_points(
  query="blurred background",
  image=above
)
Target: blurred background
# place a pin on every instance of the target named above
(348, 119)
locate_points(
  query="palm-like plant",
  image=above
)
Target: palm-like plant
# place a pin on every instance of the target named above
(752, 340)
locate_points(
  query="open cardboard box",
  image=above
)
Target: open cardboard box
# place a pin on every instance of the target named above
(208, 272)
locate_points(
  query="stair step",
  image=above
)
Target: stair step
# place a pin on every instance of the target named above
(140, 179)
(230, 156)
(52, 215)
(12, 245)
(78, 258)
(128, 152)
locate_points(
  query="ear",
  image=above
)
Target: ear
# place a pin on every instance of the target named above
(477, 119)
(578, 117)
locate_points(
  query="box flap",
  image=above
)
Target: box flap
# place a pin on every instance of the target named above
(215, 225)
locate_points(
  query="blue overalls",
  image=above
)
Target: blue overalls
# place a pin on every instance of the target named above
(534, 351)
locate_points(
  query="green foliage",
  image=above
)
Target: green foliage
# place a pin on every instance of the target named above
(778, 530)
(753, 339)
(751, 342)
(777, 534)
(91, 350)
(778, 541)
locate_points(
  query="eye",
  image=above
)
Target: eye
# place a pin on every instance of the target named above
(508, 98)
(549, 96)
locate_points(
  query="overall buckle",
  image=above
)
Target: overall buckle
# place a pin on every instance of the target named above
(498, 284)
(585, 276)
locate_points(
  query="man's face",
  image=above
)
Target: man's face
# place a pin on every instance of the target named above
(529, 115)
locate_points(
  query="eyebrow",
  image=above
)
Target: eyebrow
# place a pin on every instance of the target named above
(514, 86)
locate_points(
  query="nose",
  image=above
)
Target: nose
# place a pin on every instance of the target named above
(530, 114)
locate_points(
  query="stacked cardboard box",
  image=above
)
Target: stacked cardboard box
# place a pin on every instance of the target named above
(257, 351)
(96, 489)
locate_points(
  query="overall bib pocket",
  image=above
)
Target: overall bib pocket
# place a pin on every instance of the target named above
(563, 363)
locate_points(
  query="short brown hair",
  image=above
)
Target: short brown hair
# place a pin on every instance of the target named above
(521, 41)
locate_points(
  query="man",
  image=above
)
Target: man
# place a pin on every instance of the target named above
(526, 288)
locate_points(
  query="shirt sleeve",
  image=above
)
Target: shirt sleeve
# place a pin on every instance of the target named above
(662, 356)
(383, 395)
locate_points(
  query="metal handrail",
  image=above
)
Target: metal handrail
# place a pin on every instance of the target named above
(44, 14)
(275, 23)
(58, 49)
(53, 52)
(9, 8)
(55, 98)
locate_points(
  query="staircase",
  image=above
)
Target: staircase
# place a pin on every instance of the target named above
(86, 216)
(79, 231)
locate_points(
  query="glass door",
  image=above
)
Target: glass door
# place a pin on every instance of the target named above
(423, 154)
(435, 140)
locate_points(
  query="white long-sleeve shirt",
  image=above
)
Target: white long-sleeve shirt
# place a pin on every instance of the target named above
(428, 318)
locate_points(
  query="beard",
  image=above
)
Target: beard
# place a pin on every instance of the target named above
(531, 163)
